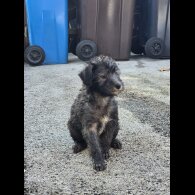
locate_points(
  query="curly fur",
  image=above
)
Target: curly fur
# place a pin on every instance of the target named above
(94, 113)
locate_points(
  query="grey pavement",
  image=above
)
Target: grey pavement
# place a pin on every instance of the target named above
(142, 167)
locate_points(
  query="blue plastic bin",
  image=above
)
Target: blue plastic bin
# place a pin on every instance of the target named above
(48, 28)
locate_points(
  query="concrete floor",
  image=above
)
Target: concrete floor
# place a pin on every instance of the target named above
(142, 167)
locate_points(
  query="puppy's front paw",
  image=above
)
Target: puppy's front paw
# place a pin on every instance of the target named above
(99, 166)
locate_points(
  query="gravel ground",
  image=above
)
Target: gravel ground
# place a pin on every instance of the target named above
(142, 167)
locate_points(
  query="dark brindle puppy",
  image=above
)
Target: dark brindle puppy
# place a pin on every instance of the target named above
(94, 114)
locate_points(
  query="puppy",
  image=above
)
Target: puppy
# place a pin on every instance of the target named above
(94, 113)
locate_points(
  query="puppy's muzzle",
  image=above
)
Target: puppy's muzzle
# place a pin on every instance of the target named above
(119, 87)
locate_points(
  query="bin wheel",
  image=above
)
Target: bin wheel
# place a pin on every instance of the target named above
(34, 55)
(154, 47)
(86, 49)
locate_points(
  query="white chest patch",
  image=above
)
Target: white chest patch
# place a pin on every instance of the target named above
(104, 120)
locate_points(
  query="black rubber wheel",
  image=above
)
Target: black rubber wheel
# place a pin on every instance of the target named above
(86, 50)
(154, 47)
(34, 55)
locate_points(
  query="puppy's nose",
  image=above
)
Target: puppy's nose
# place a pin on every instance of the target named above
(118, 86)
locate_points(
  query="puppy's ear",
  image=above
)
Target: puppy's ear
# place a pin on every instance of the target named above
(86, 75)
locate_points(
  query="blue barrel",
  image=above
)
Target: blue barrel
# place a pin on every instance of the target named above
(48, 28)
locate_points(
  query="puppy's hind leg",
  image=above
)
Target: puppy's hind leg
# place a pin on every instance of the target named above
(78, 147)
(77, 136)
(116, 144)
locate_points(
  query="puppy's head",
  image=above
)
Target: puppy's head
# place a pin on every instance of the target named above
(102, 75)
